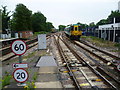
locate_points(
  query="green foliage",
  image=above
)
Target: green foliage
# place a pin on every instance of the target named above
(61, 27)
(102, 22)
(42, 32)
(114, 14)
(110, 19)
(98, 41)
(117, 45)
(49, 26)
(21, 18)
(82, 25)
(30, 86)
(29, 55)
(6, 79)
(35, 76)
(92, 24)
(38, 22)
(5, 18)
(0, 82)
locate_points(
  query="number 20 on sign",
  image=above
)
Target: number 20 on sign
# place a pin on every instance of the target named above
(19, 47)
(20, 75)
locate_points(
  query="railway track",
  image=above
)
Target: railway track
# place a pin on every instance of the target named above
(100, 65)
(77, 71)
(64, 59)
(102, 61)
(106, 58)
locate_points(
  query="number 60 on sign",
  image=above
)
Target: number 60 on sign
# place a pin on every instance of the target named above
(19, 47)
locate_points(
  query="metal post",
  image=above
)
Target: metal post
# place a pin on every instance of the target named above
(114, 32)
(109, 35)
(98, 33)
(101, 33)
(105, 35)
(20, 59)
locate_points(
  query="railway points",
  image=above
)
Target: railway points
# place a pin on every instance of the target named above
(63, 64)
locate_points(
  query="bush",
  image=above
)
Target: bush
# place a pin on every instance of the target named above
(42, 32)
(6, 80)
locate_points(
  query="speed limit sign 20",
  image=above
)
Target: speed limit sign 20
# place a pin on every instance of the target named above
(19, 47)
(20, 75)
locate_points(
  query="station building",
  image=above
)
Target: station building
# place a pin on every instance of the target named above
(109, 32)
(25, 34)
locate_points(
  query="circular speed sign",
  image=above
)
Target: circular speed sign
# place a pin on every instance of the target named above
(20, 75)
(118, 67)
(19, 47)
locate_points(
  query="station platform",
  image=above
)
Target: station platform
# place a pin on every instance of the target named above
(48, 75)
(2, 40)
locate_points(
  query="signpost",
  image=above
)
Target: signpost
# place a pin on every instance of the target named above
(19, 47)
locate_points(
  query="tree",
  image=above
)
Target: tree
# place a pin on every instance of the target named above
(38, 22)
(114, 14)
(61, 27)
(102, 22)
(49, 26)
(5, 19)
(83, 26)
(92, 24)
(21, 18)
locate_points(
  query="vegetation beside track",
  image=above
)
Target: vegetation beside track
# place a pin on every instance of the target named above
(102, 43)
(42, 32)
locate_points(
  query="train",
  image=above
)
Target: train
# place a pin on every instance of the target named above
(73, 31)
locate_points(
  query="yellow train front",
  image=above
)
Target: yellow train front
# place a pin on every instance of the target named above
(73, 31)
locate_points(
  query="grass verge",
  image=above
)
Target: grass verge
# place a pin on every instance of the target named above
(100, 42)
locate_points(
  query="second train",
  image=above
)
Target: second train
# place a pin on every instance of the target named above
(73, 31)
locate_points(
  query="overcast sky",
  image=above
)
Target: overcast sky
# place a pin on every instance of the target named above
(64, 12)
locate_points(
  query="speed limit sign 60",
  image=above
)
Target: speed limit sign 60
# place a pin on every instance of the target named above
(19, 47)
(20, 75)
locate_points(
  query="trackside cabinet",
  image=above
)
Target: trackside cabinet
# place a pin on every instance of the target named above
(41, 41)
